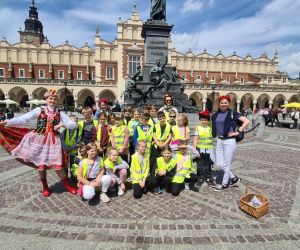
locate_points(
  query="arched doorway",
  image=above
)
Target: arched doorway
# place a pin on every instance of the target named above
(278, 101)
(19, 95)
(86, 97)
(263, 101)
(233, 103)
(294, 98)
(109, 95)
(196, 99)
(247, 101)
(39, 93)
(65, 96)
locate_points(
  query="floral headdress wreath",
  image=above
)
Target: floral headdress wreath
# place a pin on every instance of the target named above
(51, 92)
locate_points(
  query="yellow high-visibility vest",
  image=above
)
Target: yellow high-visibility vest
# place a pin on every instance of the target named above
(137, 171)
(204, 137)
(186, 169)
(119, 135)
(162, 165)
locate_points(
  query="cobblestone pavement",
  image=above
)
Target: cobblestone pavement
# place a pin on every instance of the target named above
(204, 220)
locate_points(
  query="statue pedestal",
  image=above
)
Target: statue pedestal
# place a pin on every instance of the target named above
(156, 34)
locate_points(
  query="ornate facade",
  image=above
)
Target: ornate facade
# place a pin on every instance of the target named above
(31, 66)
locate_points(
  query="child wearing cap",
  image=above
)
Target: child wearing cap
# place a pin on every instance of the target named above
(102, 134)
(204, 145)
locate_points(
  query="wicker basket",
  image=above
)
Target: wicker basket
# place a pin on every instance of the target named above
(255, 212)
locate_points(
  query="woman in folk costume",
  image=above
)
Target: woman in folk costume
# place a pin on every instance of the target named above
(41, 147)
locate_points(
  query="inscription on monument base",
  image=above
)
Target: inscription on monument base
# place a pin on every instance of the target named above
(156, 48)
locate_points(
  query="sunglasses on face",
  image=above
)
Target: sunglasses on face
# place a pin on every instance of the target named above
(171, 116)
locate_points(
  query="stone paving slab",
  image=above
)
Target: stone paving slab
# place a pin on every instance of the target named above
(203, 220)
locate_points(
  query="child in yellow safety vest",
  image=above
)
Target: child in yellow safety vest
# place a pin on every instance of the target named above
(162, 134)
(165, 169)
(116, 168)
(139, 170)
(87, 127)
(133, 123)
(69, 139)
(144, 132)
(120, 137)
(180, 131)
(204, 144)
(81, 154)
(185, 172)
(91, 172)
(127, 115)
(103, 135)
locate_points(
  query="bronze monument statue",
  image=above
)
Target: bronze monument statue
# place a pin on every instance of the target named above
(158, 10)
(159, 77)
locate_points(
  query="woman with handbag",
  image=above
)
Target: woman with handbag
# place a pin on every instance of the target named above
(225, 127)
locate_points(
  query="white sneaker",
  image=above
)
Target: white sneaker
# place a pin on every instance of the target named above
(120, 191)
(104, 198)
(187, 186)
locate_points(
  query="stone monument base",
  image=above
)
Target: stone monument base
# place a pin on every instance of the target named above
(157, 97)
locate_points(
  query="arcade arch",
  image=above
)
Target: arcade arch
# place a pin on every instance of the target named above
(247, 101)
(294, 98)
(39, 93)
(19, 95)
(233, 104)
(278, 101)
(196, 99)
(109, 95)
(85, 97)
(263, 101)
(64, 93)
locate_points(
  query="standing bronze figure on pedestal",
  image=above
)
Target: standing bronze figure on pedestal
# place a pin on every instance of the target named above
(158, 10)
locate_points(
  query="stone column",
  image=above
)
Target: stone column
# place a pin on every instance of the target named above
(254, 104)
(270, 104)
(204, 104)
(238, 102)
(97, 102)
(75, 101)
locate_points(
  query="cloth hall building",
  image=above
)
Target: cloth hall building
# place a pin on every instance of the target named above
(31, 66)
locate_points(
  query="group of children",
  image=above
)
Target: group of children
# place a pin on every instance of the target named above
(154, 144)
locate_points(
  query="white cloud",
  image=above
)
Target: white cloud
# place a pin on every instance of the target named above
(192, 6)
(277, 23)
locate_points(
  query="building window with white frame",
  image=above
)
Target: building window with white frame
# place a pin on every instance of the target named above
(41, 74)
(110, 72)
(61, 74)
(2, 72)
(198, 77)
(21, 73)
(242, 81)
(93, 75)
(133, 62)
(79, 75)
(283, 79)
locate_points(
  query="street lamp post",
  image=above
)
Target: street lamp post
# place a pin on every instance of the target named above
(213, 98)
(66, 94)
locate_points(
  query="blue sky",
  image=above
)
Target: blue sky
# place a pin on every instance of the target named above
(244, 26)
